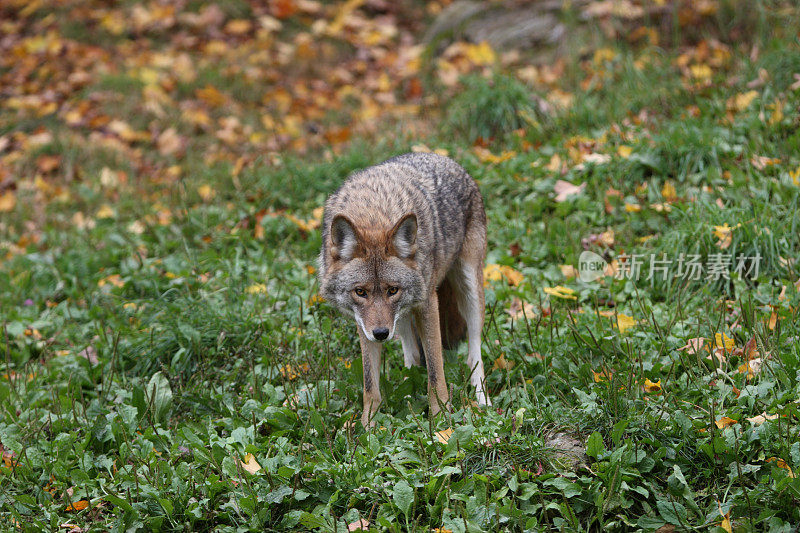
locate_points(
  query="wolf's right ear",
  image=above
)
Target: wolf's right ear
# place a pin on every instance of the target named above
(343, 238)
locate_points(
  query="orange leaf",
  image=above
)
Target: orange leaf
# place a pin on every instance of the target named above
(724, 422)
(80, 505)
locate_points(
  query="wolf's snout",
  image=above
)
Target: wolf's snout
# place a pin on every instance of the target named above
(380, 333)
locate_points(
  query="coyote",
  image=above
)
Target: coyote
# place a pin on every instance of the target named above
(403, 246)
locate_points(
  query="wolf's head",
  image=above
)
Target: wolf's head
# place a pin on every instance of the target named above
(373, 274)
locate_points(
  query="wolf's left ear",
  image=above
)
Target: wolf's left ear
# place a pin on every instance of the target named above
(404, 236)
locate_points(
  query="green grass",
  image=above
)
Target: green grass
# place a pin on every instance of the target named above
(210, 347)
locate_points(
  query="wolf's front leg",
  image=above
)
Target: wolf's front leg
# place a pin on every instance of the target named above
(371, 363)
(427, 319)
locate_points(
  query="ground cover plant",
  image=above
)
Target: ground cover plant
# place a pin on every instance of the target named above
(166, 363)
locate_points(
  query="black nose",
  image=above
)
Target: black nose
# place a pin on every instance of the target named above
(380, 333)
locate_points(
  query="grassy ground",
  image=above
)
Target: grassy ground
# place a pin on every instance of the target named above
(161, 335)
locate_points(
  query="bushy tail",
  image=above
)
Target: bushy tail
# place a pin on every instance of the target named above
(452, 324)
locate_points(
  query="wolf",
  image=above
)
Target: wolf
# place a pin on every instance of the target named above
(403, 247)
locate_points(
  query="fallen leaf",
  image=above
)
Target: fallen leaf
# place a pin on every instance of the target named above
(8, 200)
(725, 235)
(773, 320)
(256, 288)
(250, 464)
(625, 322)
(485, 156)
(724, 342)
(668, 192)
(751, 367)
(761, 162)
(604, 375)
(113, 279)
(632, 208)
(501, 363)
(741, 101)
(105, 211)
(444, 435)
(558, 291)
(760, 419)
(724, 422)
(650, 386)
(624, 151)
(780, 463)
(726, 519)
(90, 354)
(568, 271)
(493, 272)
(359, 525)
(520, 309)
(694, 345)
(565, 189)
(80, 505)
(206, 192)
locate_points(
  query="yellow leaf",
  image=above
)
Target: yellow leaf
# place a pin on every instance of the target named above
(725, 235)
(485, 156)
(701, 72)
(668, 192)
(113, 279)
(291, 373)
(624, 151)
(7, 201)
(625, 322)
(632, 208)
(494, 272)
(480, 54)
(250, 464)
(777, 112)
(444, 435)
(742, 101)
(724, 422)
(256, 288)
(795, 175)
(206, 192)
(723, 341)
(650, 386)
(603, 375)
(560, 292)
(105, 211)
(726, 520)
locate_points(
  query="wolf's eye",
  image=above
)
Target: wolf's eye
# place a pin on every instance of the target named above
(391, 291)
(361, 293)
